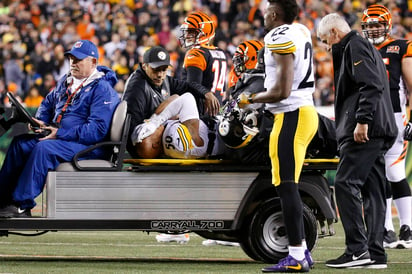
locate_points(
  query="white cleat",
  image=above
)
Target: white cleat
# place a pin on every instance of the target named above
(167, 238)
(217, 242)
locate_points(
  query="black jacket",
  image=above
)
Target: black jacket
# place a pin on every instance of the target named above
(143, 97)
(361, 90)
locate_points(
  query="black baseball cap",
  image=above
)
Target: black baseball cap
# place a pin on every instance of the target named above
(156, 57)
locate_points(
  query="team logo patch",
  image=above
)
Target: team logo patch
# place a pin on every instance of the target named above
(161, 55)
(393, 49)
(78, 44)
(224, 128)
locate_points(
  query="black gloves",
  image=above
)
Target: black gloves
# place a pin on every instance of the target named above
(408, 132)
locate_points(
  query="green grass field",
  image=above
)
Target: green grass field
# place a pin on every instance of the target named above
(138, 252)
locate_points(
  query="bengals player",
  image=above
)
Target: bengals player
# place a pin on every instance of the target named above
(397, 55)
(245, 58)
(203, 63)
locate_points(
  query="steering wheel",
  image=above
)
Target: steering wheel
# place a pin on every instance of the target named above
(24, 115)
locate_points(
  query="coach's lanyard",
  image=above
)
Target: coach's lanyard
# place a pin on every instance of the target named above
(69, 99)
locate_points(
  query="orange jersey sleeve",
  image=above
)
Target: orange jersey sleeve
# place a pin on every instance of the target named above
(195, 58)
(408, 50)
(233, 78)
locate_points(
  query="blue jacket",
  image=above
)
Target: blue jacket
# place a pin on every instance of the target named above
(87, 119)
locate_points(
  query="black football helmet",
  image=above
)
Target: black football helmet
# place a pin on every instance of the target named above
(238, 126)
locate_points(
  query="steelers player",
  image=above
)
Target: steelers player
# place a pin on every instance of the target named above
(289, 87)
(176, 130)
(376, 25)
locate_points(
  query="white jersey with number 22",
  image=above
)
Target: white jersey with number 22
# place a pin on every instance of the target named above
(291, 39)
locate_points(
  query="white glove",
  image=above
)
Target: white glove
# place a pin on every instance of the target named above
(147, 129)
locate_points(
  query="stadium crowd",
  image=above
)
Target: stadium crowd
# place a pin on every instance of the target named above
(34, 34)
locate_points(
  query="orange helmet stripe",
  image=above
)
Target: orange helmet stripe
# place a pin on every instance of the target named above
(377, 13)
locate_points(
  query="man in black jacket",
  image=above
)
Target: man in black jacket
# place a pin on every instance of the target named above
(150, 85)
(365, 129)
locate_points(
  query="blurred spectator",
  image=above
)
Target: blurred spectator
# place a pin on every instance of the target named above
(46, 64)
(120, 66)
(164, 33)
(33, 98)
(13, 72)
(346, 9)
(241, 11)
(29, 78)
(49, 82)
(69, 34)
(323, 63)
(85, 29)
(102, 31)
(223, 32)
(96, 40)
(130, 52)
(61, 64)
(324, 95)
(12, 88)
(36, 55)
(144, 26)
(114, 44)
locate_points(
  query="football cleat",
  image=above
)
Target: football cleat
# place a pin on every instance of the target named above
(217, 242)
(288, 264)
(167, 238)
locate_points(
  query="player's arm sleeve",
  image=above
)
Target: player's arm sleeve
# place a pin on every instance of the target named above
(408, 52)
(194, 74)
(195, 64)
(281, 45)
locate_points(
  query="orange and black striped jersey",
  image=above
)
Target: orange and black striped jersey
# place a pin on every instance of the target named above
(233, 78)
(393, 51)
(212, 62)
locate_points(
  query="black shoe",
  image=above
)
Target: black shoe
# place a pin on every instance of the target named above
(12, 211)
(405, 237)
(347, 260)
(389, 239)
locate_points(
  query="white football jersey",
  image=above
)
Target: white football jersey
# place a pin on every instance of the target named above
(178, 143)
(291, 39)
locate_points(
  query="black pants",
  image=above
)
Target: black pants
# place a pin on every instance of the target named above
(360, 181)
